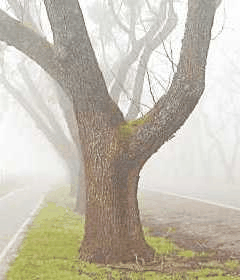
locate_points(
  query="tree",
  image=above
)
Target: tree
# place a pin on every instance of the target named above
(125, 19)
(68, 149)
(114, 150)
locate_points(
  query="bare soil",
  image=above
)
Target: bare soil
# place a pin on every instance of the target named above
(193, 225)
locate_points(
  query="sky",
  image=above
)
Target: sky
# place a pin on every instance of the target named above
(24, 150)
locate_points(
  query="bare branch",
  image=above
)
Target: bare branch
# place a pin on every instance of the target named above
(116, 17)
(150, 88)
(138, 85)
(30, 43)
(151, 41)
(188, 84)
(169, 58)
(148, 49)
(150, 7)
(167, 28)
(158, 81)
(23, 14)
(63, 146)
(39, 100)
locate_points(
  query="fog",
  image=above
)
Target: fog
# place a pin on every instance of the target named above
(201, 160)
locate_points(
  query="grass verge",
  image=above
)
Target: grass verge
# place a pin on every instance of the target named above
(50, 252)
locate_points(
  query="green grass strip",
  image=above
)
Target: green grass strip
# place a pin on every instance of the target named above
(50, 252)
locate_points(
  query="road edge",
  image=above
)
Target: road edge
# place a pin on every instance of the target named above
(10, 251)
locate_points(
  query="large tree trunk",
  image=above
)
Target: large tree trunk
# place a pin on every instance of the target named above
(113, 231)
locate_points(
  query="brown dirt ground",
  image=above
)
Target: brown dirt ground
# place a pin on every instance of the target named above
(192, 224)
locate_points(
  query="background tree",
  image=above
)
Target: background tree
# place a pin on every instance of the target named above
(129, 32)
(37, 103)
(114, 150)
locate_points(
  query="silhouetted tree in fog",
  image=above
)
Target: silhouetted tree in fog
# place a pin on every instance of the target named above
(132, 30)
(68, 149)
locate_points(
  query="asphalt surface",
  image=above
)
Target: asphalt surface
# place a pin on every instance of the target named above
(16, 209)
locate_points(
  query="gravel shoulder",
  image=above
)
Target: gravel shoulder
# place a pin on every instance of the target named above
(192, 224)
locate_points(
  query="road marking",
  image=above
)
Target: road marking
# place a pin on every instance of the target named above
(6, 196)
(10, 194)
(200, 200)
(21, 229)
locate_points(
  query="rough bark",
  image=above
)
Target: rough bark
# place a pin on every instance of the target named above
(107, 219)
(114, 151)
(113, 231)
(81, 191)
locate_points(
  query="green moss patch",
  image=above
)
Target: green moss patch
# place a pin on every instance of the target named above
(128, 128)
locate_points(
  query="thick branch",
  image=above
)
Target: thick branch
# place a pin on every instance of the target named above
(66, 21)
(188, 84)
(23, 14)
(79, 74)
(17, 8)
(73, 64)
(30, 43)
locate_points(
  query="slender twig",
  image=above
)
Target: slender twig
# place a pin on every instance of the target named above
(150, 88)
(169, 58)
(223, 24)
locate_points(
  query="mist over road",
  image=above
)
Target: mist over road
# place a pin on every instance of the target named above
(228, 195)
(15, 210)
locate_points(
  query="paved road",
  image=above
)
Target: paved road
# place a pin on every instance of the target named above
(15, 211)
